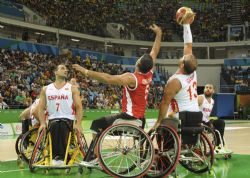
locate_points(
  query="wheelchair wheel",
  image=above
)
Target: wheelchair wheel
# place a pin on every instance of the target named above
(27, 144)
(209, 132)
(17, 144)
(167, 152)
(125, 151)
(39, 150)
(198, 158)
(82, 143)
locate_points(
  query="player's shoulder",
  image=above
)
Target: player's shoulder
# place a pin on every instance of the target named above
(44, 88)
(174, 83)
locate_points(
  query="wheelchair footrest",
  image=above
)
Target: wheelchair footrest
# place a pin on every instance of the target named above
(55, 167)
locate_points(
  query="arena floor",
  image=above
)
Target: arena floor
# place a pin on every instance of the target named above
(237, 136)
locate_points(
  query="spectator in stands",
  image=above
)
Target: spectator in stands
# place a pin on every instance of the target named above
(129, 13)
(3, 105)
(37, 71)
(20, 98)
(240, 111)
(1, 71)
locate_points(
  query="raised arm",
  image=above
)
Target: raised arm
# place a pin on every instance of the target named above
(187, 34)
(188, 40)
(126, 79)
(157, 43)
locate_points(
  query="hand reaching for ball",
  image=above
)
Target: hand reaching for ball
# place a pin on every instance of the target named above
(185, 15)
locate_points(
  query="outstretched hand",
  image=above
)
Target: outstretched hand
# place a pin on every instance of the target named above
(189, 18)
(79, 68)
(156, 29)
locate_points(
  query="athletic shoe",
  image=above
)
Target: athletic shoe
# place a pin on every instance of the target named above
(92, 163)
(57, 162)
(221, 150)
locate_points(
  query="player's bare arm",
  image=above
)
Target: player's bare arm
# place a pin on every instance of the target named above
(25, 114)
(78, 107)
(35, 111)
(126, 79)
(157, 43)
(187, 35)
(42, 108)
(170, 90)
(200, 100)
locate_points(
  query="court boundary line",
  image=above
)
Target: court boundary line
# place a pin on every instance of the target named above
(14, 170)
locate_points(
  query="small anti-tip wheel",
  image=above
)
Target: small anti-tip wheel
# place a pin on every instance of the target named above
(32, 169)
(226, 156)
(229, 156)
(211, 172)
(46, 171)
(80, 170)
(20, 163)
(67, 171)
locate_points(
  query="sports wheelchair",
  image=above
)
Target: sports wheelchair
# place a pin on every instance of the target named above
(124, 150)
(25, 144)
(167, 147)
(41, 156)
(219, 143)
(197, 154)
(193, 151)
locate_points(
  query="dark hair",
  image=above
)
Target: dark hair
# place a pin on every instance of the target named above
(145, 64)
(57, 67)
(190, 64)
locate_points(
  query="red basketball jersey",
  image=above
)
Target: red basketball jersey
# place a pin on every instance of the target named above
(134, 100)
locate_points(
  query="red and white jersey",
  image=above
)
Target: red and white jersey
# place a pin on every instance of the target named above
(34, 120)
(206, 108)
(60, 102)
(186, 99)
(134, 100)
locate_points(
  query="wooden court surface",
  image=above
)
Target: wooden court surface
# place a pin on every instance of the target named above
(237, 135)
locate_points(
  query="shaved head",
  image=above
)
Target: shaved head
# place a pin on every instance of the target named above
(190, 63)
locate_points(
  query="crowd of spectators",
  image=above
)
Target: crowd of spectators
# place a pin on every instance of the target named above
(23, 75)
(245, 11)
(91, 17)
(238, 77)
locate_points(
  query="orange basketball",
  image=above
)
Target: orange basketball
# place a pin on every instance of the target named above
(184, 14)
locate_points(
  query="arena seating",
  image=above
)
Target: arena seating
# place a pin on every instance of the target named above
(91, 17)
(24, 73)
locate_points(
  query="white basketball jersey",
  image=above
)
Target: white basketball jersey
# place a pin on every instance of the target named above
(206, 108)
(186, 99)
(60, 102)
(34, 120)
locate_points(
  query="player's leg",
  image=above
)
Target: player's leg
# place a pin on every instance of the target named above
(219, 125)
(59, 133)
(100, 125)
